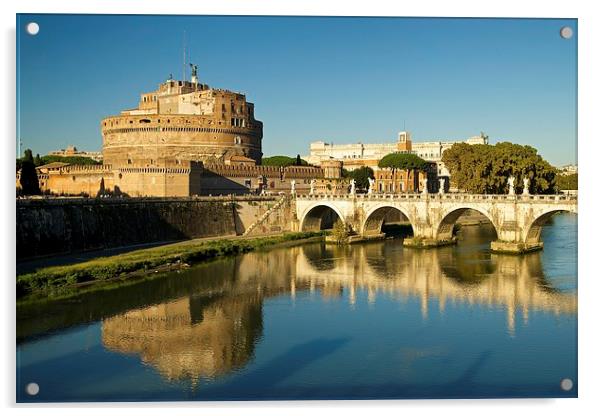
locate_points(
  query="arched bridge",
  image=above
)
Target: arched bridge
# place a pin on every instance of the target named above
(518, 219)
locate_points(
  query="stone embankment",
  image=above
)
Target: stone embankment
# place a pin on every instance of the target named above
(52, 226)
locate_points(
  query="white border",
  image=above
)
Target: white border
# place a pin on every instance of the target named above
(590, 275)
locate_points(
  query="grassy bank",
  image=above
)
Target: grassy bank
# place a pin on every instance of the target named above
(165, 257)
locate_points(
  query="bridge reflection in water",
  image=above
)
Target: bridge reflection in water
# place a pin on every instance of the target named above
(214, 329)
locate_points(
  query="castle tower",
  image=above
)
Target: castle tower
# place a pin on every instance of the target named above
(404, 143)
(333, 169)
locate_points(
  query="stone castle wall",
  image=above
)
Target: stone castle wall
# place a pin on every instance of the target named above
(224, 180)
(77, 179)
(66, 225)
(162, 180)
(128, 139)
(171, 178)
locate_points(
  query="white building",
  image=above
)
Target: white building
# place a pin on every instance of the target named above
(360, 154)
(568, 169)
(72, 151)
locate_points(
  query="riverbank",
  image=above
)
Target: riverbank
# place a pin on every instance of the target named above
(164, 258)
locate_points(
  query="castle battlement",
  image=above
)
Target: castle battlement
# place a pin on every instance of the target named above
(80, 169)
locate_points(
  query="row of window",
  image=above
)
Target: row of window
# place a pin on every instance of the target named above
(176, 129)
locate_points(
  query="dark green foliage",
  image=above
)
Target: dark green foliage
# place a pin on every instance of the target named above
(405, 161)
(73, 160)
(283, 161)
(340, 232)
(29, 177)
(101, 189)
(567, 182)
(361, 176)
(485, 169)
(44, 160)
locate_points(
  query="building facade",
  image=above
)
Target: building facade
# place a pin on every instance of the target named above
(389, 180)
(358, 155)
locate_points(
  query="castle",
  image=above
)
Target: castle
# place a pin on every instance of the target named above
(183, 120)
(185, 138)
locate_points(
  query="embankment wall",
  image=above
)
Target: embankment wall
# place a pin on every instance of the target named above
(67, 225)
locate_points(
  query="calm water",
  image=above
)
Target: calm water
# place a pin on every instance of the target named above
(310, 322)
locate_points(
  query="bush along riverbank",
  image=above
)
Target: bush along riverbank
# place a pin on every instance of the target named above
(138, 262)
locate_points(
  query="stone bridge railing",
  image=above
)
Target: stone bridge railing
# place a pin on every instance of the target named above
(444, 197)
(518, 219)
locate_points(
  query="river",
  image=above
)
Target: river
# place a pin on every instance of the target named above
(367, 321)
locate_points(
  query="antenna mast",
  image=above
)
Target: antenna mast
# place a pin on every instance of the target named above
(184, 58)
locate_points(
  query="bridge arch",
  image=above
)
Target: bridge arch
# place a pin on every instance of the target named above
(533, 235)
(445, 229)
(377, 216)
(321, 216)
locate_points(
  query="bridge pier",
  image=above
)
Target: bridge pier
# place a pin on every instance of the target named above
(509, 247)
(425, 242)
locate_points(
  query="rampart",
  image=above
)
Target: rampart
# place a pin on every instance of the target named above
(52, 226)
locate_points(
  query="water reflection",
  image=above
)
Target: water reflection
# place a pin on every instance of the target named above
(188, 338)
(213, 328)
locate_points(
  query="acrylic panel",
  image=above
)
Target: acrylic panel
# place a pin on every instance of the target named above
(293, 208)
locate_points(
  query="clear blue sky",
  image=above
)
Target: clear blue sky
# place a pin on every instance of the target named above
(334, 79)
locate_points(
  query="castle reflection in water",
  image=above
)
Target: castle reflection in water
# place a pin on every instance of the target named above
(213, 329)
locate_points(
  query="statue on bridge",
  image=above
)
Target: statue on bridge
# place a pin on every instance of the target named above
(312, 186)
(425, 188)
(441, 186)
(352, 189)
(526, 183)
(511, 180)
(293, 191)
(371, 185)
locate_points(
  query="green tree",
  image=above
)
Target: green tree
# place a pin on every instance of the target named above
(37, 161)
(101, 189)
(283, 161)
(484, 168)
(73, 160)
(361, 176)
(567, 182)
(405, 161)
(340, 232)
(29, 177)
